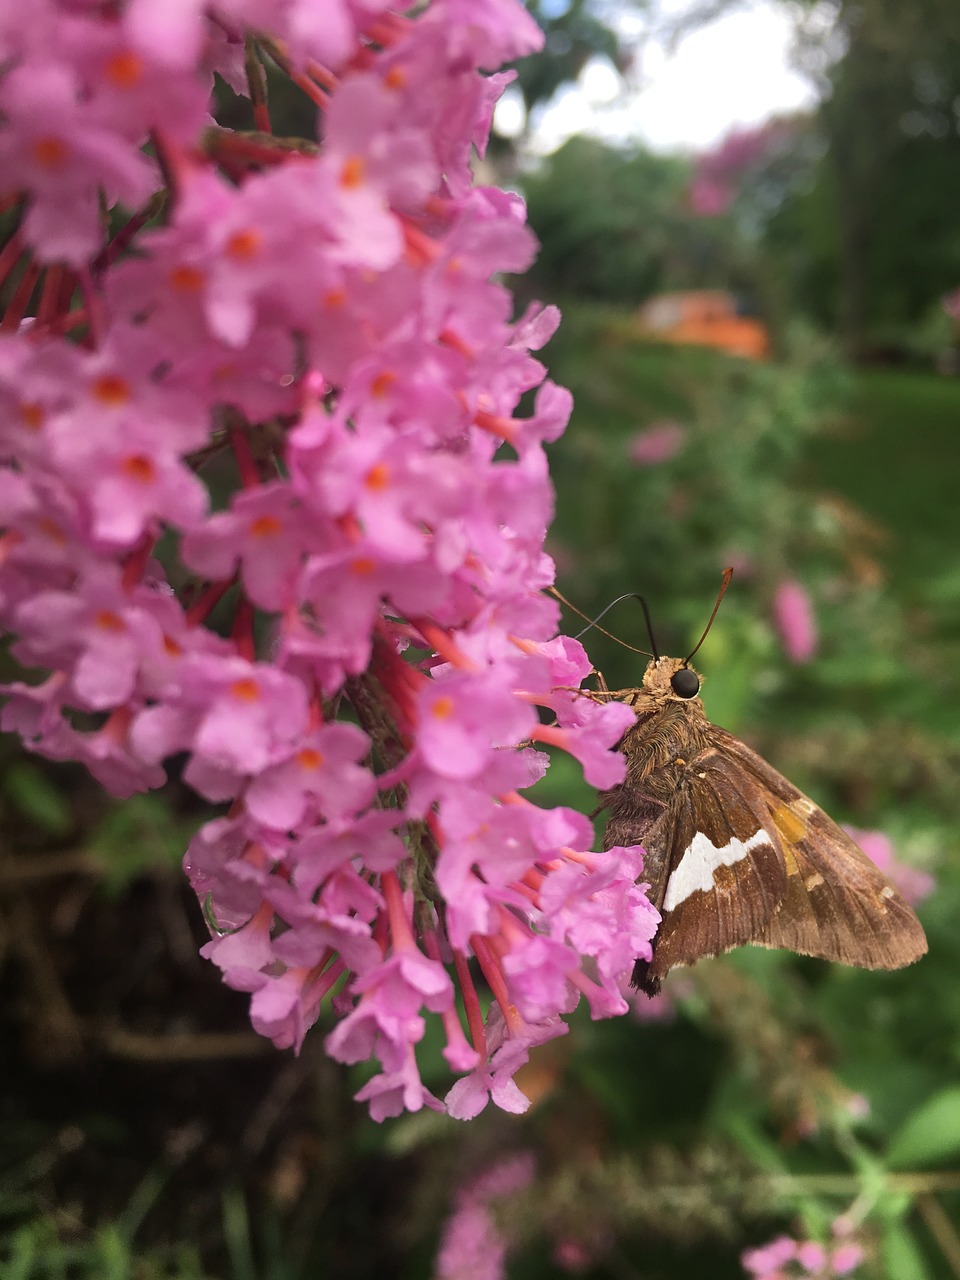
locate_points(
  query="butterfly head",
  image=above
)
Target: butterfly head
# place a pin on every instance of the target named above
(671, 678)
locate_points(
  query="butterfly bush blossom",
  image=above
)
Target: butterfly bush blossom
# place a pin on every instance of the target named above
(267, 507)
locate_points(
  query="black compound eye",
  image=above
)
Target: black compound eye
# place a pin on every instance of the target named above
(685, 683)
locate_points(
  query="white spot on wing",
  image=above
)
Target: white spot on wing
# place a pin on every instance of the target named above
(700, 859)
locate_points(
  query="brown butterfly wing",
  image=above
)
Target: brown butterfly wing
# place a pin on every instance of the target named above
(837, 904)
(725, 872)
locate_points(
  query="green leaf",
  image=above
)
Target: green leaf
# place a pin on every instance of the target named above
(902, 1256)
(929, 1134)
(31, 792)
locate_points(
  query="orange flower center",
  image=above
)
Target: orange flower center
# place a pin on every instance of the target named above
(187, 279)
(124, 70)
(107, 620)
(244, 245)
(378, 477)
(309, 758)
(50, 152)
(140, 468)
(353, 172)
(265, 527)
(111, 390)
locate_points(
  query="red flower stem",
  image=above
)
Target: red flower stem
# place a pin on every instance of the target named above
(69, 319)
(449, 1017)
(496, 425)
(422, 250)
(490, 968)
(10, 254)
(456, 343)
(17, 307)
(471, 1004)
(324, 78)
(401, 935)
(127, 233)
(323, 982)
(49, 296)
(249, 476)
(208, 600)
(242, 632)
(511, 930)
(136, 561)
(68, 287)
(226, 147)
(309, 87)
(386, 29)
(93, 304)
(441, 643)
(257, 84)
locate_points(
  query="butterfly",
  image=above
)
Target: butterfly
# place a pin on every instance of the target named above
(734, 852)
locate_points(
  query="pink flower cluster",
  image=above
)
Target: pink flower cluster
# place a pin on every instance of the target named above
(266, 510)
(789, 1259)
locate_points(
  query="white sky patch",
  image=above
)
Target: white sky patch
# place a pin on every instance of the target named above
(733, 72)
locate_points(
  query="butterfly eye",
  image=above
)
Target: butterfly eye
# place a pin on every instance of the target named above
(685, 683)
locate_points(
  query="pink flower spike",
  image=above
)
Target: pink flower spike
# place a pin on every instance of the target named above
(273, 508)
(795, 621)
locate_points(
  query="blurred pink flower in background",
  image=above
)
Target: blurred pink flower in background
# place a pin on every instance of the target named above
(656, 443)
(720, 171)
(794, 620)
(914, 884)
(787, 1259)
(473, 1247)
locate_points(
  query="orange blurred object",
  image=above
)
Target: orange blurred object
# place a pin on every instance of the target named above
(706, 318)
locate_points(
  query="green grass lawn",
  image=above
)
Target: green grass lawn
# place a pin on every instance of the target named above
(898, 458)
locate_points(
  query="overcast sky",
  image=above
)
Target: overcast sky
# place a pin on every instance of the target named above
(734, 72)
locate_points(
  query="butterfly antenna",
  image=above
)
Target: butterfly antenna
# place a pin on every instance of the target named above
(593, 622)
(646, 614)
(727, 575)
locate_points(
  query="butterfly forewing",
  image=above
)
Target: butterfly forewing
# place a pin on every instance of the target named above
(725, 874)
(837, 904)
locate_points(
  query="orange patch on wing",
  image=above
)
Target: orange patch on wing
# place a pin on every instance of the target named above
(791, 826)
